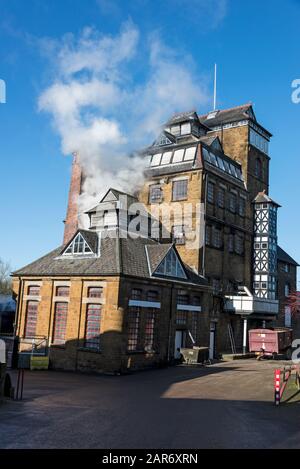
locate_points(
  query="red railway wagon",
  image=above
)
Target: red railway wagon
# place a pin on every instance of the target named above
(271, 342)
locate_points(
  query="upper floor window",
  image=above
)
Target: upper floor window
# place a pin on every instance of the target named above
(60, 323)
(287, 289)
(242, 207)
(232, 202)
(31, 319)
(231, 242)
(258, 168)
(221, 197)
(182, 298)
(63, 291)
(286, 268)
(155, 194)
(208, 235)
(259, 141)
(179, 190)
(217, 238)
(95, 292)
(239, 244)
(178, 234)
(152, 295)
(210, 192)
(136, 294)
(216, 284)
(33, 290)
(78, 246)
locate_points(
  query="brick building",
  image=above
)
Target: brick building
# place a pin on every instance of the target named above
(109, 302)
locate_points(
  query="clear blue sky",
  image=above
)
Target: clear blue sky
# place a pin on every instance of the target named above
(256, 46)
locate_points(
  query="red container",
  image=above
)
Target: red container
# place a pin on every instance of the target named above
(270, 341)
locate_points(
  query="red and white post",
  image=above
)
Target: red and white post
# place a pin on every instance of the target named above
(277, 386)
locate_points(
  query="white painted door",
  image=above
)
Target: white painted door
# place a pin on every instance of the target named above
(212, 340)
(179, 343)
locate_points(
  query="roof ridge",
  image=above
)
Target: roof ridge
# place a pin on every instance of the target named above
(228, 109)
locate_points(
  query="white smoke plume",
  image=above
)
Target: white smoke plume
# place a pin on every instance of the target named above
(105, 106)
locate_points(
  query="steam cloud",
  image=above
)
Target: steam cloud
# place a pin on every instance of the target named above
(104, 105)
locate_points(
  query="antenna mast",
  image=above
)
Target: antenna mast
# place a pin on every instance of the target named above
(215, 89)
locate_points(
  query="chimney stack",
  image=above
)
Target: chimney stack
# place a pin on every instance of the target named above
(71, 222)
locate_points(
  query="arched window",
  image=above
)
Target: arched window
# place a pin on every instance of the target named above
(258, 168)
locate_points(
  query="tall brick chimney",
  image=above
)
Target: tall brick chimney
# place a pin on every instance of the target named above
(71, 221)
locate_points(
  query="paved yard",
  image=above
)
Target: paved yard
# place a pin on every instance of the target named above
(227, 405)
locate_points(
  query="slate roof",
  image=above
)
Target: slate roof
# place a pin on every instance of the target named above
(283, 256)
(118, 256)
(263, 198)
(227, 115)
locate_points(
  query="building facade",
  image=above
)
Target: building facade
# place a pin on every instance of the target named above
(202, 270)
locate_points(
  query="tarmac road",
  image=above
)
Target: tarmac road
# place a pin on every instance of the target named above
(226, 405)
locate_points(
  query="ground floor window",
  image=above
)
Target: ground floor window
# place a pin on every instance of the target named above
(31, 318)
(149, 330)
(141, 326)
(92, 327)
(133, 328)
(60, 323)
(194, 325)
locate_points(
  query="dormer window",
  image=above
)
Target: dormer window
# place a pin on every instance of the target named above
(78, 246)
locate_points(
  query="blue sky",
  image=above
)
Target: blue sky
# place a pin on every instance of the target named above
(254, 43)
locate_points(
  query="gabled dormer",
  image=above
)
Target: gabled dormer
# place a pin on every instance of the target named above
(83, 244)
(164, 261)
(165, 138)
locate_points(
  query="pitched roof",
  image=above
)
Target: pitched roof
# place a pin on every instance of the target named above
(118, 255)
(283, 256)
(226, 115)
(156, 254)
(263, 198)
(231, 115)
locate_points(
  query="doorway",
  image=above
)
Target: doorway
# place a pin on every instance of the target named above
(180, 339)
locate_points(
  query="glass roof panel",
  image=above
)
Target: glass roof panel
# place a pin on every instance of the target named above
(178, 156)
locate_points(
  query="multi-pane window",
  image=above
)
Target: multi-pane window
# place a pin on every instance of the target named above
(92, 327)
(216, 284)
(221, 197)
(152, 295)
(286, 268)
(78, 246)
(178, 234)
(196, 301)
(170, 266)
(31, 318)
(179, 190)
(242, 207)
(155, 194)
(258, 168)
(239, 244)
(149, 330)
(194, 325)
(63, 291)
(95, 292)
(181, 318)
(231, 242)
(133, 328)
(210, 192)
(136, 294)
(34, 290)
(232, 202)
(208, 235)
(217, 238)
(287, 289)
(182, 298)
(60, 323)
